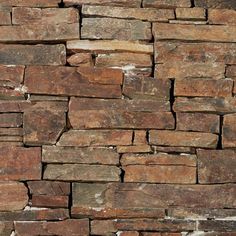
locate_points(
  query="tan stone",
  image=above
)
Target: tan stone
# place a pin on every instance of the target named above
(29, 3)
(188, 22)
(203, 88)
(215, 33)
(229, 131)
(231, 71)
(6, 228)
(166, 3)
(109, 28)
(222, 16)
(145, 14)
(82, 172)
(134, 149)
(181, 138)
(5, 17)
(81, 59)
(140, 137)
(190, 13)
(85, 138)
(9, 120)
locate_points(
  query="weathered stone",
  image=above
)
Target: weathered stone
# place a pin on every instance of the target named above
(5, 17)
(217, 225)
(43, 126)
(229, 131)
(180, 70)
(89, 119)
(8, 120)
(58, 80)
(222, 16)
(231, 71)
(188, 22)
(216, 166)
(127, 61)
(27, 15)
(18, 163)
(209, 105)
(140, 137)
(54, 188)
(161, 234)
(29, 3)
(6, 228)
(101, 46)
(129, 233)
(203, 88)
(181, 138)
(149, 14)
(78, 227)
(40, 98)
(32, 54)
(134, 149)
(195, 52)
(201, 122)
(128, 3)
(8, 199)
(166, 3)
(81, 59)
(9, 139)
(101, 75)
(174, 150)
(39, 32)
(89, 155)
(11, 131)
(109, 28)
(81, 172)
(190, 13)
(215, 33)
(146, 88)
(216, 4)
(49, 201)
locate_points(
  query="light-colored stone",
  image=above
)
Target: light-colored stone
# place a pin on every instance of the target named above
(190, 13)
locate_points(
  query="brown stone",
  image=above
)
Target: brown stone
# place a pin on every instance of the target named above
(6, 228)
(29, 3)
(82, 172)
(8, 199)
(217, 225)
(146, 88)
(129, 233)
(229, 131)
(81, 59)
(9, 120)
(19, 163)
(190, 13)
(180, 70)
(88, 119)
(195, 52)
(43, 126)
(203, 88)
(110, 28)
(134, 149)
(128, 3)
(39, 32)
(148, 14)
(88, 155)
(84, 138)
(40, 98)
(78, 227)
(209, 105)
(32, 54)
(140, 137)
(188, 22)
(167, 3)
(49, 201)
(201, 122)
(231, 71)
(161, 234)
(101, 75)
(181, 138)
(5, 17)
(215, 33)
(27, 15)
(9, 139)
(11, 131)
(103, 46)
(174, 150)
(58, 80)
(216, 166)
(215, 4)
(81, 104)
(222, 16)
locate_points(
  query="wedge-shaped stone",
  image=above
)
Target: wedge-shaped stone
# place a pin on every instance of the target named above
(216, 166)
(82, 172)
(109, 28)
(19, 163)
(203, 88)
(198, 122)
(212, 105)
(229, 131)
(195, 52)
(89, 155)
(166, 3)
(39, 32)
(228, 4)
(84, 138)
(78, 227)
(101, 46)
(5, 17)
(32, 54)
(27, 15)
(65, 81)
(81, 104)
(190, 13)
(8, 120)
(222, 16)
(88, 119)
(181, 138)
(215, 33)
(8, 199)
(180, 70)
(145, 14)
(29, 3)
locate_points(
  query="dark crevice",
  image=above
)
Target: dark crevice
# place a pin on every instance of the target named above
(122, 173)
(28, 191)
(70, 201)
(61, 4)
(219, 144)
(206, 14)
(192, 3)
(172, 100)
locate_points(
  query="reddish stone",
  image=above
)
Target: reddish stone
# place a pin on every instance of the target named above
(229, 131)
(30, 3)
(5, 17)
(129, 233)
(190, 13)
(81, 59)
(134, 149)
(166, 4)
(10, 120)
(231, 71)
(140, 137)
(174, 150)
(11, 131)
(19, 163)
(49, 201)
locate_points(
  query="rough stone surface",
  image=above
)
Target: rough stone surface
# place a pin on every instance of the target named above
(216, 4)
(190, 13)
(167, 3)
(229, 131)
(222, 16)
